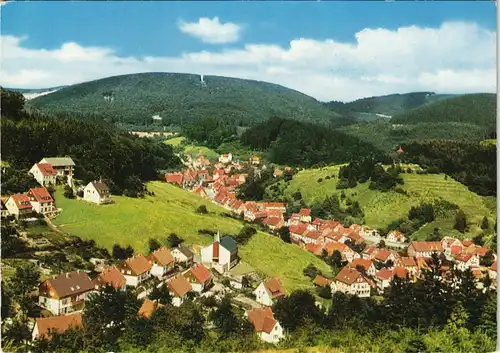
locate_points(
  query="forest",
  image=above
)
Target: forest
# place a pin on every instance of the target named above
(98, 149)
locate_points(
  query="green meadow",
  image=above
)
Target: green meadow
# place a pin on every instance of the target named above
(192, 150)
(130, 221)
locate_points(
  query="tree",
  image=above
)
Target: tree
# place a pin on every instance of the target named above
(120, 253)
(485, 224)
(244, 235)
(154, 244)
(245, 282)
(68, 192)
(174, 241)
(460, 221)
(325, 292)
(284, 234)
(311, 271)
(224, 318)
(25, 280)
(381, 244)
(488, 259)
(298, 309)
(202, 209)
(162, 294)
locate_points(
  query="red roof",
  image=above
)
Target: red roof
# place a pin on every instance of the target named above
(139, 264)
(401, 272)
(313, 234)
(332, 247)
(385, 274)
(147, 308)
(22, 201)
(272, 221)
(273, 205)
(493, 266)
(348, 275)
(57, 323)
(366, 264)
(322, 281)
(298, 228)
(463, 257)
(162, 256)
(40, 194)
(305, 212)
(262, 319)
(111, 276)
(317, 221)
(261, 214)
(179, 285)
(427, 246)
(46, 169)
(408, 262)
(382, 254)
(400, 150)
(315, 249)
(201, 273)
(274, 287)
(467, 242)
(175, 178)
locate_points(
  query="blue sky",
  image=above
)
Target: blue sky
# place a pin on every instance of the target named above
(126, 31)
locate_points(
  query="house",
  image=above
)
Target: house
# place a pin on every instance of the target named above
(346, 252)
(65, 293)
(148, 308)
(179, 288)
(351, 281)
(174, 178)
(385, 256)
(410, 265)
(268, 328)
(41, 200)
(3, 208)
(267, 292)
(396, 237)
(62, 165)
(255, 160)
(305, 215)
(384, 277)
(297, 232)
(225, 158)
(492, 272)
(136, 269)
(424, 248)
(464, 261)
(44, 174)
(270, 206)
(46, 325)
(369, 252)
(199, 277)
(111, 276)
(314, 248)
(97, 192)
(277, 173)
(19, 205)
(321, 281)
(182, 255)
(274, 223)
(222, 254)
(365, 264)
(452, 246)
(161, 261)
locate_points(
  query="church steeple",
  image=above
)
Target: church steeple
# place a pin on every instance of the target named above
(217, 237)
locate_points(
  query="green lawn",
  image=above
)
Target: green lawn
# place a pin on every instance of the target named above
(382, 208)
(134, 221)
(192, 150)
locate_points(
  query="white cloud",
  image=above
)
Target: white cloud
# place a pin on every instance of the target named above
(212, 31)
(457, 57)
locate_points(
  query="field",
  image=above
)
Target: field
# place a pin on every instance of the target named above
(382, 208)
(133, 221)
(192, 150)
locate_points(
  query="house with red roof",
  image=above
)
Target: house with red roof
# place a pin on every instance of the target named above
(274, 223)
(278, 206)
(45, 326)
(465, 261)
(297, 232)
(226, 158)
(148, 308)
(351, 281)
(424, 248)
(383, 256)
(179, 287)
(19, 205)
(41, 200)
(369, 252)
(44, 173)
(161, 261)
(410, 265)
(346, 252)
(237, 206)
(365, 264)
(3, 208)
(322, 281)
(294, 219)
(174, 178)
(384, 277)
(305, 215)
(199, 277)
(111, 276)
(451, 246)
(314, 237)
(396, 237)
(314, 248)
(267, 327)
(269, 291)
(136, 269)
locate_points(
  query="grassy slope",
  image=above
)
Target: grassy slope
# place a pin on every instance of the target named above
(134, 221)
(179, 97)
(382, 208)
(192, 150)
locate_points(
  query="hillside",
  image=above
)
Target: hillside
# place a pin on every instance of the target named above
(172, 210)
(479, 109)
(385, 106)
(182, 98)
(381, 208)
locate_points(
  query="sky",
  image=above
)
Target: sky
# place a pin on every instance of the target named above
(329, 50)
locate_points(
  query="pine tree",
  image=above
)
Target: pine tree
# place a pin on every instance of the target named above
(460, 221)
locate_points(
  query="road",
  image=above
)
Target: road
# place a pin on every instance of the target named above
(376, 240)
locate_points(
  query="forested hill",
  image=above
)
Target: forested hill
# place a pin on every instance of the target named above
(99, 150)
(479, 109)
(389, 105)
(182, 98)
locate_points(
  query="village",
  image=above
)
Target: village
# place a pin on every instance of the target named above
(369, 262)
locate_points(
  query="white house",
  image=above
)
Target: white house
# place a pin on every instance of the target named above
(424, 248)
(19, 205)
(41, 200)
(351, 281)
(199, 277)
(97, 192)
(225, 158)
(44, 173)
(182, 255)
(221, 254)
(44, 326)
(267, 292)
(136, 270)
(65, 293)
(162, 261)
(3, 208)
(464, 261)
(62, 165)
(267, 327)
(179, 287)
(396, 237)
